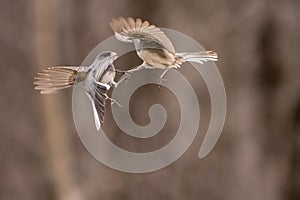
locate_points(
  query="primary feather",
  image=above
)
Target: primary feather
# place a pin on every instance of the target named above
(127, 30)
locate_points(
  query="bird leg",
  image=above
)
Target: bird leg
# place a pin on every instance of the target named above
(127, 76)
(128, 72)
(121, 71)
(113, 83)
(124, 78)
(142, 66)
(161, 80)
(113, 101)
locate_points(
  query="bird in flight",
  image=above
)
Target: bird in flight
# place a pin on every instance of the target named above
(154, 47)
(98, 79)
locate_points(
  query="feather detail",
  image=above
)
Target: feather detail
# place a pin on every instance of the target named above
(98, 99)
(199, 57)
(54, 79)
(128, 29)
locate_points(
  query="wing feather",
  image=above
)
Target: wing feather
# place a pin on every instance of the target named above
(100, 98)
(138, 23)
(129, 29)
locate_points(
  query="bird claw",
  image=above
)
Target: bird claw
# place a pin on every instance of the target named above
(127, 76)
(120, 71)
(126, 73)
(113, 102)
(160, 83)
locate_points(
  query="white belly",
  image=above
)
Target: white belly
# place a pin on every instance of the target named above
(108, 77)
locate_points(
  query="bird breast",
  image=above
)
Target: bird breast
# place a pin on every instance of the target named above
(108, 76)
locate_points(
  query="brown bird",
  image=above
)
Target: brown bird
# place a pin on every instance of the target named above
(98, 78)
(154, 47)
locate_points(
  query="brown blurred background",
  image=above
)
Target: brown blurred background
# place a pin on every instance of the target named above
(257, 156)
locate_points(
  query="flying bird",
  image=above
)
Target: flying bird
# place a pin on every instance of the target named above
(154, 47)
(98, 79)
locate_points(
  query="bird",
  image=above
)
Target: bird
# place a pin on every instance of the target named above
(154, 47)
(98, 79)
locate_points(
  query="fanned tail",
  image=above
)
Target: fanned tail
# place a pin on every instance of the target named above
(199, 57)
(55, 79)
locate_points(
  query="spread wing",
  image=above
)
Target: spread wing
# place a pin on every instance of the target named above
(126, 30)
(98, 98)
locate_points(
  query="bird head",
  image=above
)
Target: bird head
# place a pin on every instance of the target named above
(106, 55)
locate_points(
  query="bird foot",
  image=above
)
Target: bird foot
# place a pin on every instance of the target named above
(127, 75)
(160, 82)
(120, 72)
(113, 102)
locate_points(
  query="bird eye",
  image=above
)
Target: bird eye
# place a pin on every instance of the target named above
(106, 54)
(103, 55)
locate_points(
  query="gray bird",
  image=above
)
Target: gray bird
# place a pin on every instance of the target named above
(98, 78)
(154, 47)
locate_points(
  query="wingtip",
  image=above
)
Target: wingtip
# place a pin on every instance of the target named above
(98, 127)
(113, 26)
(121, 18)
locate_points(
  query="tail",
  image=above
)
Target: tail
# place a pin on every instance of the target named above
(55, 79)
(199, 57)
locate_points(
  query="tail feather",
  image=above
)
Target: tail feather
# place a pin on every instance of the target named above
(199, 57)
(55, 79)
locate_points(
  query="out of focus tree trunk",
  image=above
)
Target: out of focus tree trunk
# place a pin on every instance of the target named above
(51, 107)
(257, 155)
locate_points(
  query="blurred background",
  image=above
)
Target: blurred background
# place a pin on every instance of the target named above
(257, 155)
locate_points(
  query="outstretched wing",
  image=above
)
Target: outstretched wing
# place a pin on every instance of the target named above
(98, 98)
(126, 30)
